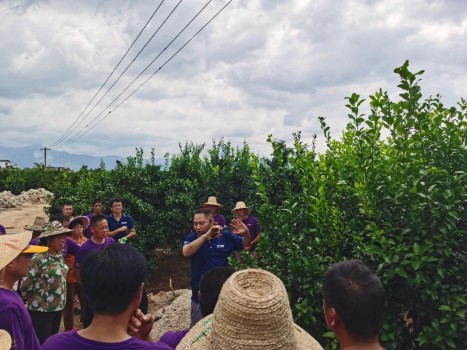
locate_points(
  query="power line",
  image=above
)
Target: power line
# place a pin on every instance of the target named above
(68, 131)
(84, 132)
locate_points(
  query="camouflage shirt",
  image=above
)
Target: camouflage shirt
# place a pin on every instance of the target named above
(45, 285)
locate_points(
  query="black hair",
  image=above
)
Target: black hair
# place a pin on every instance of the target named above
(56, 217)
(114, 200)
(95, 201)
(111, 278)
(55, 210)
(97, 218)
(210, 286)
(75, 223)
(358, 297)
(205, 211)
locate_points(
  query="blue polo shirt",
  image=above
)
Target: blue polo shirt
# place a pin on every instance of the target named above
(213, 253)
(125, 220)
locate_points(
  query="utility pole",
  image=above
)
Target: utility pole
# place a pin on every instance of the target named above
(45, 149)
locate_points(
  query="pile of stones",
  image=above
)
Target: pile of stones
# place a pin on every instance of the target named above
(9, 200)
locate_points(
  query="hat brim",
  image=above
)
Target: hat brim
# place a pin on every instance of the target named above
(11, 245)
(83, 219)
(34, 228)
(235, 209)
(211, 204)
(45, 234)
(32, 249)
(5, 339)
(200, 337)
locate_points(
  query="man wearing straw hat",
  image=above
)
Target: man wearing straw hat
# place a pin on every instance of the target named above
(209, 246)
(252, 312)
(214, 207)
(15, 259)
(244, 213)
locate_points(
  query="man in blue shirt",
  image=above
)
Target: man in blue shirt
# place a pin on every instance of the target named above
(120, 224)
(209, 246)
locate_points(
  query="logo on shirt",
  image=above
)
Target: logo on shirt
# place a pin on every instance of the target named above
(220, 246)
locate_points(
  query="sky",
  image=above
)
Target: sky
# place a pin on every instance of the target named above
(260, 67)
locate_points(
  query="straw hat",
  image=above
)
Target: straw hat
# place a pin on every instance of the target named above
(84, 220)
(252, 312)
(241, 205)
(14, 244)
(39, 221)
(212, 201)
(5, 340)
(53, 228)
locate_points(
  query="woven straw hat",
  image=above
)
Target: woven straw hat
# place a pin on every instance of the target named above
(5, 340)
(252, 312)
(241, 205)
(14, 244)
(83, 219)
(39, 221)
(53, 228)
(212, 201)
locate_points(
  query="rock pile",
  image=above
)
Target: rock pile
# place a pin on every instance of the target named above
(171, 311)
(9, 200)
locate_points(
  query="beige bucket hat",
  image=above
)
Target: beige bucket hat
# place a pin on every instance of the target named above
(241, 205)
(53, 228)
(14, 244)
(212, 201)
(39, 221)
(5, 340)
(252, 312)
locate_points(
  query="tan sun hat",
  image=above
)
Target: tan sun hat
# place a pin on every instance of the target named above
(212, 201)
(39, 221)
(84, 220)
(241, 205)
(14, 244)
(53, 228)
(252, 312)
(5, 340)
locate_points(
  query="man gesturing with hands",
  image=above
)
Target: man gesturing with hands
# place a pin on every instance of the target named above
(209, 246)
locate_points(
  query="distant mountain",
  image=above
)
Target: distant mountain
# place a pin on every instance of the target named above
(26, 157)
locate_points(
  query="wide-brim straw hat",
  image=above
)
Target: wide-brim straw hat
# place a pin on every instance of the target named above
(39, 221)
(84, 220)
(53, 228)
(5, 340)
(14, 244)
(241, 205)
(212, 201)
(252, 312)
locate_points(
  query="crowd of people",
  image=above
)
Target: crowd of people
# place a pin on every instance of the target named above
(43, 271)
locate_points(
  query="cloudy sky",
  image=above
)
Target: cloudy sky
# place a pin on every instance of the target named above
(260, 67)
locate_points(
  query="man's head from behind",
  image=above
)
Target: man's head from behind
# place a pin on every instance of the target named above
(354, 298)
(210, 287)
(113, 278)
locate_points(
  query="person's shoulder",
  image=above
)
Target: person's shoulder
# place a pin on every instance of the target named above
(173, 338)
(138, 344)
(190, 237)
(60, 341)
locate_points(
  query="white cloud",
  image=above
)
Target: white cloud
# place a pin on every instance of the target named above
(260, 67)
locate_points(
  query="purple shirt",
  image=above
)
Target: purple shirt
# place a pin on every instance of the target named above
(219, 220)
(73, 341)
(16, 320)
(173, 338)
(2, 230)
(253, 227)
(88, 247)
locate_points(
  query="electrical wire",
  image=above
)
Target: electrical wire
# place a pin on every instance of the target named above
(84, 132)
(68, 131)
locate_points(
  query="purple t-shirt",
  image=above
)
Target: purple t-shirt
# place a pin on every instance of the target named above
(253, 227)
(88, 247)
(2, 230)
(173, 338)
(15, 319)
(73, 341)
(219, 220)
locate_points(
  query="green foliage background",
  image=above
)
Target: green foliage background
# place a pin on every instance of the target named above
(398, 203)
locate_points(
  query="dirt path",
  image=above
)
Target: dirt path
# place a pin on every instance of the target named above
(15, 219)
